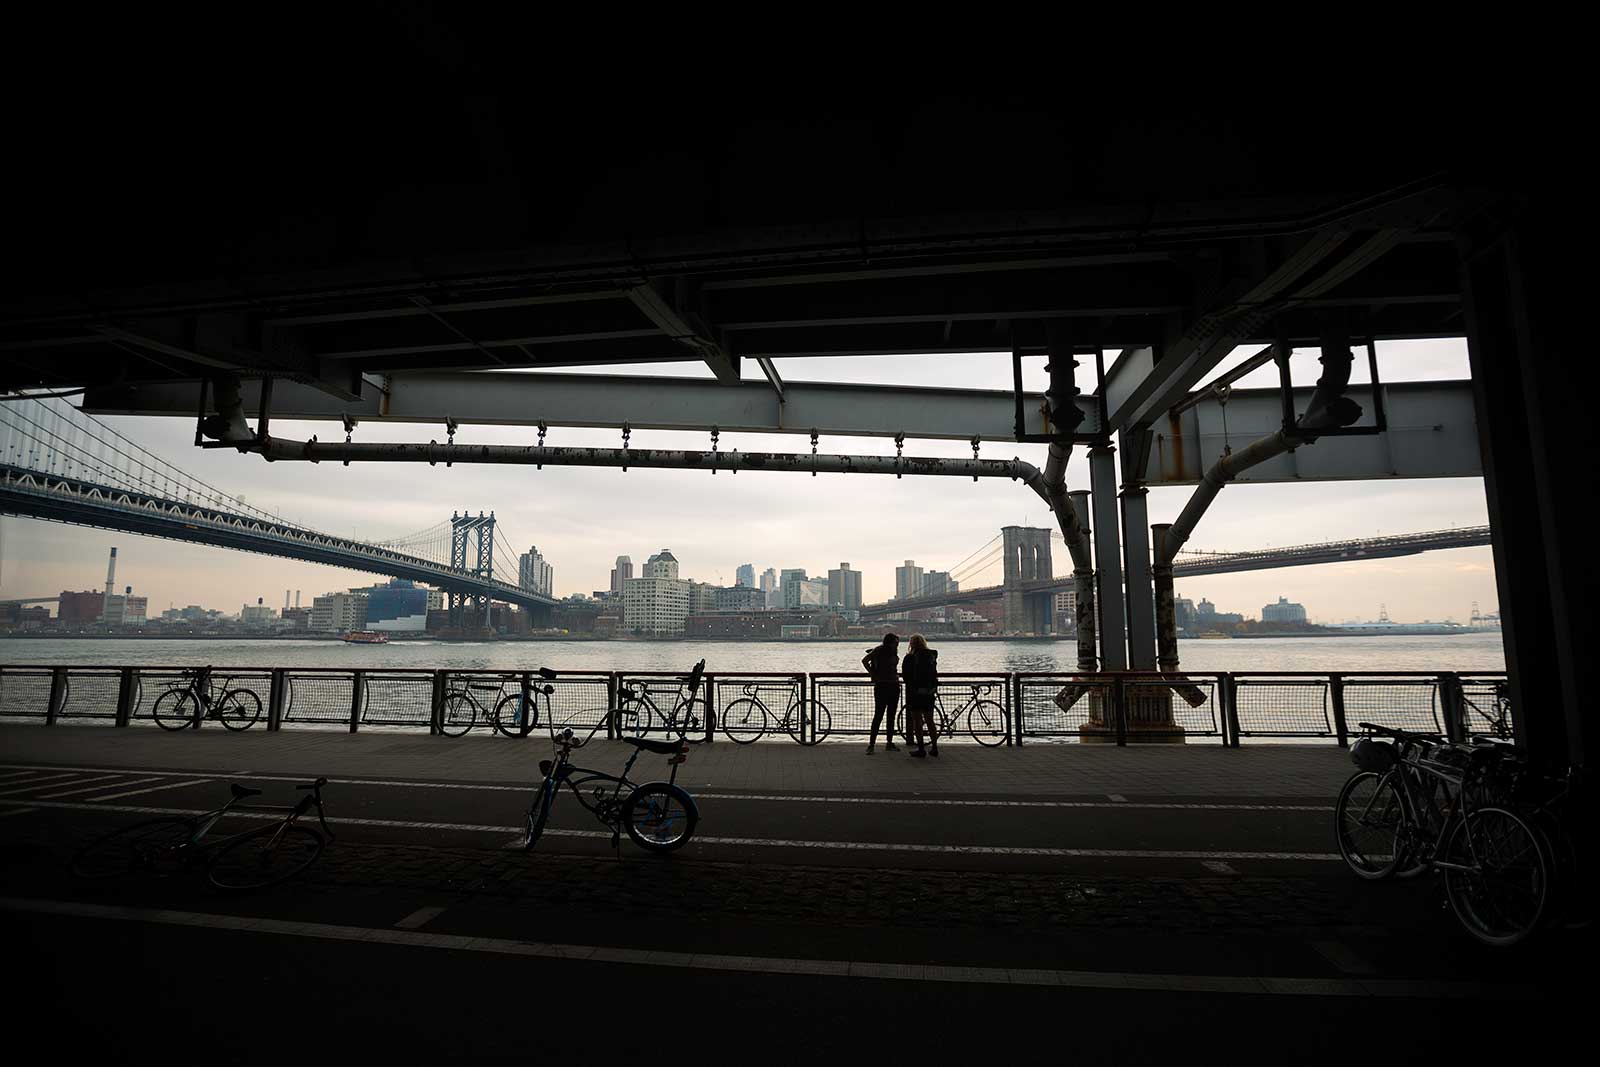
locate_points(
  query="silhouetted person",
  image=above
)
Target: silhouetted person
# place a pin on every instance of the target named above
(921, 673)
(881, 663)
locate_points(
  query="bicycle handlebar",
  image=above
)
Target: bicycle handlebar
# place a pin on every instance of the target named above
(1404, 735)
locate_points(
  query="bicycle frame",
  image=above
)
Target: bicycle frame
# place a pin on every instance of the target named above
(290, 813)
(562, 771)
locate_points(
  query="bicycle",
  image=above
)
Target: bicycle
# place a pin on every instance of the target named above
(251, 859)
(747, 719)
(657, 816)
(1425, 804)
(1498, 715)
(637, 713)
(237, 708)
(460, 710)
(986, 719)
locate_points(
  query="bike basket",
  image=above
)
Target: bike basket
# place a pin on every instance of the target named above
(1372, 755)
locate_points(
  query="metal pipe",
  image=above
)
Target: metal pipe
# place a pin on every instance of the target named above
(376, 452)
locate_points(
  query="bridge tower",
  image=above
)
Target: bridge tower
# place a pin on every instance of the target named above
(1026, 559)
(474, 533)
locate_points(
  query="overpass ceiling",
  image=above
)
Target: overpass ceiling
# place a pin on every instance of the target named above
(458, 218)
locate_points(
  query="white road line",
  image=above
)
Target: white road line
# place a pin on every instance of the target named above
(418, 918)
(1118, 797)
(16, 811)
(757, 842)
(37, 781)
(1218, 866)
(915, 972)
(952, 802)
(103, 779)
(152, 789)
(17, 774)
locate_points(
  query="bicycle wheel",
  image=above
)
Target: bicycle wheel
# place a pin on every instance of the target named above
(264, 857)
(814, 716)
(1366, 823)
(1501, 897)
(541, 813)
(174, 709)
(688, 718)
(634, 719)
(239, 709)
(459, 714)
(509, 715)
(659, 817)
(155, 846)
(987, 723)
(744, 720)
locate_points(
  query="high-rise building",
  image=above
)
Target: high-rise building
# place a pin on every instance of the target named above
(339, 612)
(769, 580)
(1283, 611)
(702, 597)
(399, 606)
(787, 579)
(805, 593)
(741, 598)
(745, 575)
(661, 565)
(936, 582)
(1183, 612)
(907, 580)
(655, 605)
(621, 573)
(844, 587)
(1065, 611)
(534, 573)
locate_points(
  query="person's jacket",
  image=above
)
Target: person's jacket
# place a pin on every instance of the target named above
(921, 674)
(880, 662)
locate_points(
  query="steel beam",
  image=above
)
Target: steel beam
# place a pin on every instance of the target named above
(1432, 433)
(1107, 559)
(1141, 590)
(675, 325)
(519, 399)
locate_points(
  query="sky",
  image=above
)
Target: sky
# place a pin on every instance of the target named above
(581, 519)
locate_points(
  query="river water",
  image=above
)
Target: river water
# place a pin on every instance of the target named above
(1459, 652)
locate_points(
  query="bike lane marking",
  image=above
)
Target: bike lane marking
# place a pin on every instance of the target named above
(105, 782)
(759, 842)
(16, 811)
(37, 781)
(420, 917)
(916, 972)
(151, 789)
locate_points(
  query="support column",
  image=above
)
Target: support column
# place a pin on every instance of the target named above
(1088, 661)
(1107, 561)
(1141, 593)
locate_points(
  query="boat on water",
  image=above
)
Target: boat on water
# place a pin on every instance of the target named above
(365, 637)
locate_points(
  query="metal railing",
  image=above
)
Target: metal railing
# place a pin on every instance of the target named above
(1124, 707)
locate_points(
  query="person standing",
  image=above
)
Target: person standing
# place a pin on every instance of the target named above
(921, 673)
(880, 663)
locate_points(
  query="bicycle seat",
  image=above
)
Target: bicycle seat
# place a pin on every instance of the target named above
(240, 792)
(663, 747)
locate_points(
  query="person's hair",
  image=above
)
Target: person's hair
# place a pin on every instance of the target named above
(919, 643)
(890, 640)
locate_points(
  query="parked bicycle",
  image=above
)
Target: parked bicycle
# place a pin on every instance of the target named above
(984, 718)
(808, 721)
(506, 711)
(657, 816)
(1422, 803)
(252, 859)
(236, 707)
(1494, 711)
(637, 713)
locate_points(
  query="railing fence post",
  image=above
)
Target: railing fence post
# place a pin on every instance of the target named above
(1341, 726)
(436, 718)
(357, 690)
(708, 683)
(613, 698)
(1222, 708)
(1010, 684)
(1233, 709)
(202, 687)
(1119, 708)
(126, 687)
(58, 695)
(1451, 698)
(525, 726)
(277, 693)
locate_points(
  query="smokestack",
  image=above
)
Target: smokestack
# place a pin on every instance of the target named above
(111, 583)
(286, 600)
(297, 598)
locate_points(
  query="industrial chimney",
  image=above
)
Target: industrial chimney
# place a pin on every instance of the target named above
(111, 581)
(297, 598)
(286, 600)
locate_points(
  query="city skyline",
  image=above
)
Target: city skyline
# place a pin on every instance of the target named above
(935, 522)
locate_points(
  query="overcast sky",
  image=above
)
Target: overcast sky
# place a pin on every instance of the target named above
(582, 519)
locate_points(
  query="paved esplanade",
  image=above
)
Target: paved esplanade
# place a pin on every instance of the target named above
(1185, 881)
